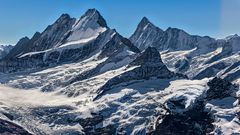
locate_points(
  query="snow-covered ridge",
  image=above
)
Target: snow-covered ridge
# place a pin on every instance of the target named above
(195, 56)
(81, 77)
(89, 25)
(68, 40)
(64, 31)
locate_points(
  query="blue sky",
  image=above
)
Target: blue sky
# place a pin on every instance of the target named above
(21, 18)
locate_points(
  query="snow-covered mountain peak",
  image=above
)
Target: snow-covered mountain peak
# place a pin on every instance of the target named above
(232, 37)
(96, 16)
(95, 81)
(145, 24)
(90, 25)
(92, 18)
(145, 34)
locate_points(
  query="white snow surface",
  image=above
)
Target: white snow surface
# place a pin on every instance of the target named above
(224, 111)
(86, 27)
(134, 106)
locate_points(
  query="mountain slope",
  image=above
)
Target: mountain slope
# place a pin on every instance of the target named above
(147, 65)
(81, 77)
(197, 57)
(4, 50)
(68, 42)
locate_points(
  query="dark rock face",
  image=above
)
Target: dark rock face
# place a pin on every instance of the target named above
(195, 120)
(219, 88)
(235, 65)
(18, 49)
(49, 38)
(150, 57)
(192, 122)
(112, 50)
(20, 64)
(101, 21)
(146, 35)
(176, 103)
(211, 70)
(116, 45)
(174, 39)
(9, 128)
(238, 115)
(53, 34)
(4, 50)
(233, 76)
(108, 130)
(110, 43)
(182, 65)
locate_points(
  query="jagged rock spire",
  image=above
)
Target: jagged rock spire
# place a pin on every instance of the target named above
(150, 56)
(144, 21)
(95, 14)
(63, 17)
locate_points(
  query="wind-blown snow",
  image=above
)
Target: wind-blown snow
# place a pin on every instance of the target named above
(225, 111)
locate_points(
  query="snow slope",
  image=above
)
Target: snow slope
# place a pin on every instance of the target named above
(195, 56)
(81, 77)
(116, 105)
(132, 107)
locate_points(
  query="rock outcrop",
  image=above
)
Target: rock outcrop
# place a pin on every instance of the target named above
(9, 128)
(148, 64)
(220, 88)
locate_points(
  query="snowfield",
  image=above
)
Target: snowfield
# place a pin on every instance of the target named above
(81, 77)
(18, 103)
(135, 106)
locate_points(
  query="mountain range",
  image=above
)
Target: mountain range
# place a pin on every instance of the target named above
(4, 50)
(79, 76)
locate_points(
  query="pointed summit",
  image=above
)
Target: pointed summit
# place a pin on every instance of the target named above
(150, 56)
(90, 25)
(94, 15)
(144, 21)
(18, 48)
(63, 17)
(146, 34)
